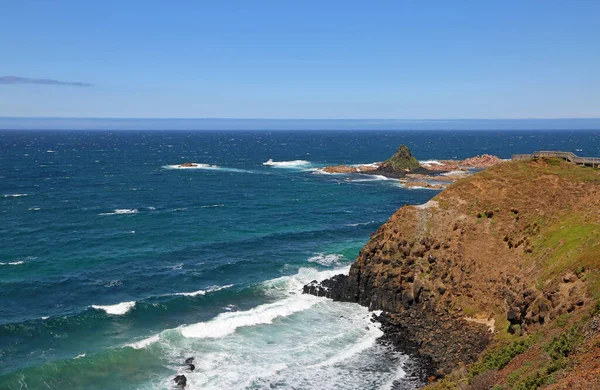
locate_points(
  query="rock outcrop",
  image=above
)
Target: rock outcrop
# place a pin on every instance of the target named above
(401, 163)
(500, 254)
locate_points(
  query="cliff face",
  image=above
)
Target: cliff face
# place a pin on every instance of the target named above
(493, 259)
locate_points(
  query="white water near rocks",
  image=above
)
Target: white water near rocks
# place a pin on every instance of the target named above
(297, 341)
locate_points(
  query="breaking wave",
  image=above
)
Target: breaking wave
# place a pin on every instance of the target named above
(118, 309)
(287, 164)
(203, 292)
(208, 167)
(121, 211)
(327, 260)
(428, 163)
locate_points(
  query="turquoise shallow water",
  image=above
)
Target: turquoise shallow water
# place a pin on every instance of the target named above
(115, 266)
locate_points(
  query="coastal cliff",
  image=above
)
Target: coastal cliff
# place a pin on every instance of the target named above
(494, 283)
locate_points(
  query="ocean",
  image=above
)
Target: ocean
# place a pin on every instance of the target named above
(116, 265)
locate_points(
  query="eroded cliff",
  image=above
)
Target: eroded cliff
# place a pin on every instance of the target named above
(509, 255)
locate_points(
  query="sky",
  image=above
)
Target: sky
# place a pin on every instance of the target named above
(300, 59)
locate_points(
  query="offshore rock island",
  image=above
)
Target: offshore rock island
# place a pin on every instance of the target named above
(436, 174)
(494, 283)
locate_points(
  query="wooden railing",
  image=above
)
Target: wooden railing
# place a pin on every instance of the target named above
(568, 156)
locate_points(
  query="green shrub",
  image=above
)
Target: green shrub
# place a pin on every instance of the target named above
(563, 345)
(498, 359)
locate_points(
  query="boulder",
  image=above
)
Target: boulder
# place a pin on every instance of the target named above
(180, 381)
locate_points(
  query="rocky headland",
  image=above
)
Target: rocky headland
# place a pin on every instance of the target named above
(492, 284)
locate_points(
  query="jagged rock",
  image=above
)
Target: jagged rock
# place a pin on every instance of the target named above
(180, 381)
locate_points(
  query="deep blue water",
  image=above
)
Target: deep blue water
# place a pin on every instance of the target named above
(204, 262)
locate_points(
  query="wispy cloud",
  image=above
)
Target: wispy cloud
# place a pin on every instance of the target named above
(28, 80)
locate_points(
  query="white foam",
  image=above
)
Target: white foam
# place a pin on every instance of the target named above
(118, 309)
(121, 211)
(208, 167)
(34, 208)
(326, 260)
(430, 162)
(191, 166)
(145, 342)
(212, 205)
(13, 263)
(79, 356)
(286, 164)
(204, 292)
(227, 323)
(374, 178)
(293, 341)
(368, 340)
(370, 165)
(15, 195)
(359, 223)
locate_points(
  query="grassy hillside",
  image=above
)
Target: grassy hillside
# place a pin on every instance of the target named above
(547, 215)
(513, 250)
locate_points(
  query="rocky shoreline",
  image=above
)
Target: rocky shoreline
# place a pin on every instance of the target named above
(433, 174)
(501, 262)
(434, 339)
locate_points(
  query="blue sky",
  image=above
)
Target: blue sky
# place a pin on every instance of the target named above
(301, 59)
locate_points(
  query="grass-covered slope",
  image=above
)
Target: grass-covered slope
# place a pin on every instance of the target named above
(515, 247)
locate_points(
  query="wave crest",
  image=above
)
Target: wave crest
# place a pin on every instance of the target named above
(118, 309)
(203, 166)
(204, 292)
(13, 263)
(121, 211)
(228, 322)
(286, 164)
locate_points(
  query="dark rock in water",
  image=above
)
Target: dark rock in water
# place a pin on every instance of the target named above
(315, 288)
(181, 381)
(189, 360)
(192, 367)
(333, 288)
(435, 339)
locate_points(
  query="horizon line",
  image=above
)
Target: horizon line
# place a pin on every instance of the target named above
(266, 124)
(298, 119)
